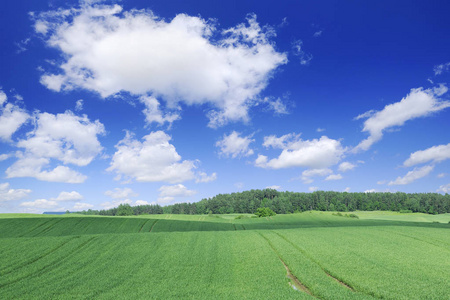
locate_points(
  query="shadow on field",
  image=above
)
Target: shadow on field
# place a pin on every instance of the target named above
(338, 223)
(33, 227)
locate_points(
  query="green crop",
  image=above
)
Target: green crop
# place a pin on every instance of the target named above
(224, 257)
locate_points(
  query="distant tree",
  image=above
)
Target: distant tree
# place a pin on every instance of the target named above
(288, 202)
(264, 212)
(124, 210)
(331, 207)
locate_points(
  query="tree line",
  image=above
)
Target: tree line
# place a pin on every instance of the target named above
(290, 202)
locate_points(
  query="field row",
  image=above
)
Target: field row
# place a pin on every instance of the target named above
(329, 263)
(62, 226)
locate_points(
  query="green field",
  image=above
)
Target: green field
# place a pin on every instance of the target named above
(300, 256)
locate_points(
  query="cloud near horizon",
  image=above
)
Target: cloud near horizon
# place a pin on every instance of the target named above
(168, 193)
(152, 160)
(67, 138)
(9, 194)
(413, 175)
(68, 196)
(121, 193)
(307, 175)
(315, 154)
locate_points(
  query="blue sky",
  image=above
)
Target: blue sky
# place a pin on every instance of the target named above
(109, 102)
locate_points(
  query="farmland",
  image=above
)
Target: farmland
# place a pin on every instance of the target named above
(378, 256)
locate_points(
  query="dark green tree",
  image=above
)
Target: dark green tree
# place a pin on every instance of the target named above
(264, 212)
(124, 210)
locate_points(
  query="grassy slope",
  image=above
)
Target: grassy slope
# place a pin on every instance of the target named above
(205, 257)
(409, 217)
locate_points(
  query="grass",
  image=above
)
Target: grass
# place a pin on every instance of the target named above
(404, 256)
(409, 217)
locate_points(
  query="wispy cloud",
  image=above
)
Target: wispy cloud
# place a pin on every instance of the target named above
(434, 154)
(413, 175)
(297, 48)
(418, 103)
(439, 69)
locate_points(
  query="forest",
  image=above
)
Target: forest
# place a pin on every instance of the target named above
(291, 202)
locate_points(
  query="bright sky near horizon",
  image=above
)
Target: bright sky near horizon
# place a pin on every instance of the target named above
(144, 102)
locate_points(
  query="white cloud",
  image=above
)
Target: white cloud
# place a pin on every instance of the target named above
(165, 200)
(334, 177)
(154, 115)
(418, 103)
(119, 193)
(186, 59)
(297, 47)
(41, 27)
(9, 194)
(79, 105)
(276, 105)
(22, 45)
(233, 145)
(168, 193)
(439, 69)
(347, 189)
(58, 174)
(68, 196)
(53, 82)
(12, 118)
(28, 166)
(64, 137)
(239, 185)
(203, 177)
(18, 97)
(365, 115)
(152, 160)
(313, 188)
(4, 157)
(315, 154)
(320, 129)
(434, 154)
(317, 33)
(177, 190)
(274, 187)
(346, 166)
(413, 175)
(281, 142)
(40, 203)
(440, 90)
(308, 174)
(441, 175)
(444, 188)
(82, 206)
(3, 97)
(141, 202)
(115, 203)
(371, 191)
